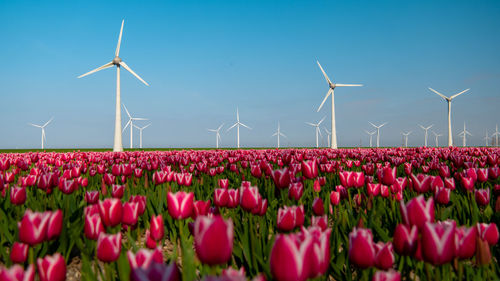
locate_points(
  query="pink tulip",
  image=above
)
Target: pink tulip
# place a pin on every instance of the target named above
(482, 196)
(33, 227)
(223, 183)
(286, 219)
(373, 189)
(92, 197)
(54, 225)
(482, 175)
(93, 226)
(384, 256)
(295, 190)
(117, 191)
(310, 169)
(388, 175)
(281, 178)
(150, 242)
(200, 208)
(157, 228)
(467, 183)
(321, 222)
(421, 183)
(318, 207)
(390, 275)
(335, 198)
(290, 259)
(442, 195)
(249, 197)
(465, 242)
(17, 195)
(144, 257)
(361, 249)
(488, 232)
(438, 242)
(418, 211)
(17, 273)
(233, 198)
(221, 197)
(19, 252)
(261, 208)
(405, 239)
(51, 268)
(111, 211)
(449, 183)
(213, 239)
(130, 213)
(109, 247)
(180, 204)
(320, 254)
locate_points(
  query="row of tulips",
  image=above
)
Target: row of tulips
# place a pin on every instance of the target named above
(265, 214)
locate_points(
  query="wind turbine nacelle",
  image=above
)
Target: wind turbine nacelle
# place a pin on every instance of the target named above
(117, 60)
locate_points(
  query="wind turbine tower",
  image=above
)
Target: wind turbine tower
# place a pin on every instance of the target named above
(426, 130)
(378, 131)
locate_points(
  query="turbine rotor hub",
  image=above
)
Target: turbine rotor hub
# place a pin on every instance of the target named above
(117, 60)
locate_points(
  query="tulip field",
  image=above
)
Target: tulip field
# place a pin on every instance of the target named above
(288, 214)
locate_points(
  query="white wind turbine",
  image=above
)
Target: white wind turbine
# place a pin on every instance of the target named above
(117, 61)
(278, 134)
(405, 135)
(371, 135)
(495, 134)
(331, 92)
(425, 129)
(130, 124)
(318, 131)
(238, 124)
(328, 134)
(140, 133)
(448, 100)
(43, 130)
(217, 134)
(486, 138)
(464, 134)
(437, 138)
(378, 131)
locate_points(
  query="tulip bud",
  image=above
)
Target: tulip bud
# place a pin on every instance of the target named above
(17, 195)
(405, 239)
(93, 226)
(221, 197)
(249, 197)
(117, 191)
(180, 204)
(482, 196)
(52, 268)
(438, 242)
(390, 275)
(318, 207)
(144, 257)
(111, 211)
(54, 226)
(19, 252)
(442, 195)
(233, 198)
(335, 198)
(488, 232)
(16, 273)
(213, 239)
(92, 197)
(384, 257)
(465, 242)
(361, 249)
(33, 227)
(130, 212)
(157, 227)
(109, 247)
(291, 259)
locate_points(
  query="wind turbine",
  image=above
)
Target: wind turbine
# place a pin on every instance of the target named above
(131, 124)
(118, 62)
(238, 124)
(437, 136)
(486, 138)
(448, 100)
(328, 134)
(331, 92)
(371, 135)
(217, 135)
(278, 134)
(406, 137)
(43, 130)
(496, 135)
(378, 131)
(140, 133)
(464, 134)
(425, 129)
(318, 131)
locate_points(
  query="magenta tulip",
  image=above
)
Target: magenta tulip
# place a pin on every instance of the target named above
(93, 226)
(310, 169)
(33, 227)
(180, 204)
(465, 242)
(488, 232)
(290, 259)
(17, 273)
(361, 248)
(17, 195)
(249, 197)
(482, 196)
(390, 275)
(318, 207)
(418, 211)
(213, 239)
(405, 239)
(233, 198)
(144, 257)
(92, 197)
(109, 247)
(19, 252)
(384, 256)
(221, 197)
(156, 227)
(130, 213)
(51, 268)
(111, 211)
(438, 242)
(54, 226)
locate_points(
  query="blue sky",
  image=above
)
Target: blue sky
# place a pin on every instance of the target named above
(205, 58)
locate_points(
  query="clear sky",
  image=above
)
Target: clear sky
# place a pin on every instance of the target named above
(205, 58)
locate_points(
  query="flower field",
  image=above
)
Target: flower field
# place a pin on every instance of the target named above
(293, 214)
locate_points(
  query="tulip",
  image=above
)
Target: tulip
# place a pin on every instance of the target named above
(223, 183)
(442, 195)
(320, 254)
(438, 242)
(361, 249)
(437, 182)
(321, 222)
(200, 208)
(156, 271)
(388, 175)
(444, 171)
(144, 257)
(310, 169)
(286, 219)
(295, 190)
(405, 239)
(488, 232)
(17, 195)
(93, 226)
(16, 273)
(335, 198)
(157, 228)
(281, 178)
(140, 200)
(111, 211)
(418, 211)
(384, 256)
(249, 197)
(483, 253)
(213, 239)
(180, 204)
(130, 213)
(290, 259)
(221, 197)
(117, 191)
(19, 252)
(318, 207)
(384, 191)
(109, 247)
(261, 208)
(51, 268)
(390, 275)
(449, 183)
(482, 174)
(373, 189)
(465, 242)
(150, 242)
(33, 227)
(67, 186)
(92, 197)
(482, 196)
(233, 198)
(467, 183)
(54, 225)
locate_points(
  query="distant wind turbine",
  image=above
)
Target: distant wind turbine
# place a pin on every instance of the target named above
(238, 124)
(378, 131)
(130, 124)
(217, 134)
(278, 134)
(318, 131)
(425, 129)
(328, 134)
(405, 135)
(448, 100)
(464, 134)
(436, 136)
(118, 62)
(140, 133)
(495, 134)
(486, 138)
(43, 130)
(371, 135)
(331, 92)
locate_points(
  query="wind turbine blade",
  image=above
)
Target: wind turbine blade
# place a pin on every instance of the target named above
(322, 119)
(108, 65)
(372, 124)
(126, 110)
(283, 135)
(324, 74)
(324, 100)
(212, 130)
(38, 126)
(126, 125)
(231, 127)
(319, 131)
(275, 134)
(237, 115)
(423, 128)
(48, 122)
(220, 127)
(117, 52)
(122, 63)
(383, 124)
(456, 95)
(443, 96)
(146, 126)
(348, 85)
(139, 119)
(245, 126)
(309, 123)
